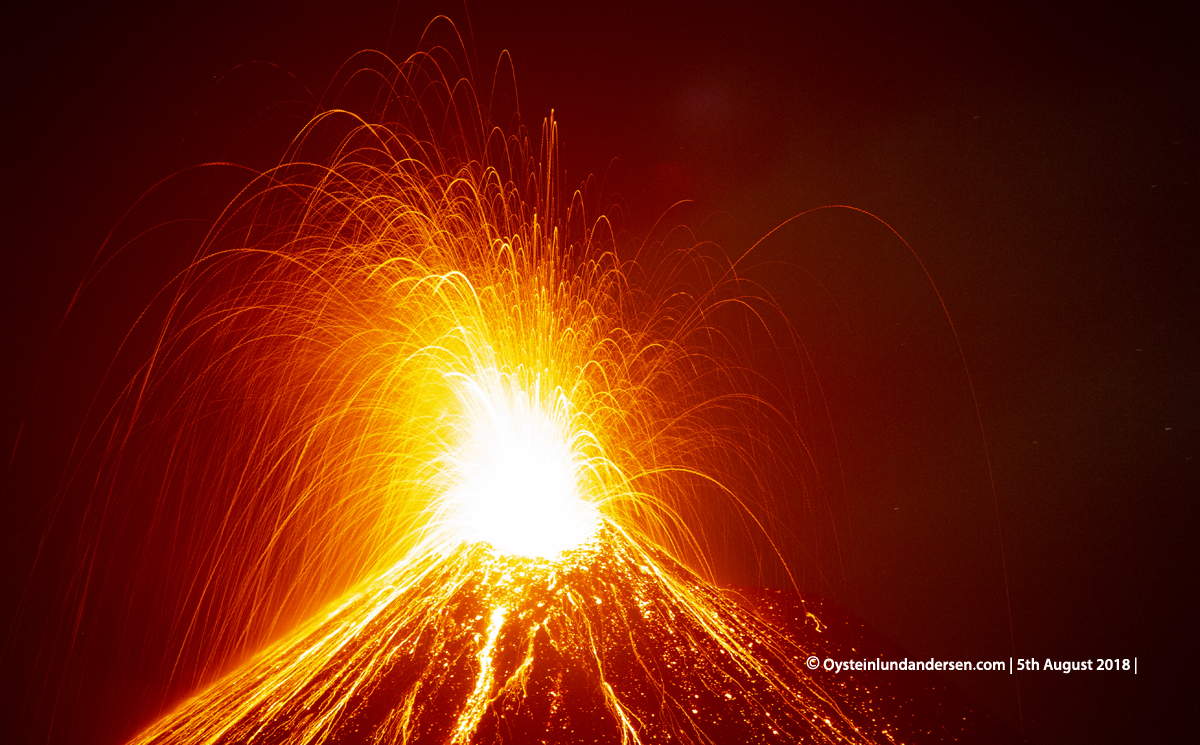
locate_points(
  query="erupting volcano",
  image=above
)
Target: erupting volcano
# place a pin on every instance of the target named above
(404, 371)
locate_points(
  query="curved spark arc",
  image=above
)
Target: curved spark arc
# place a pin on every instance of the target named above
(365, 325)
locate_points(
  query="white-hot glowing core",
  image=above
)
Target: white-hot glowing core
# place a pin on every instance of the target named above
(517, 476)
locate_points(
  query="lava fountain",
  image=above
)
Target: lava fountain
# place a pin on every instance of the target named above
(403, 371)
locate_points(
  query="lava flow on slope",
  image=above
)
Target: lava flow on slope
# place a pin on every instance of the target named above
(612, 642)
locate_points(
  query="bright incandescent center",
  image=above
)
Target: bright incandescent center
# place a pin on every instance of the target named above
(518, 478)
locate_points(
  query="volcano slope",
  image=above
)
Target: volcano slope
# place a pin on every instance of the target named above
(613, 642)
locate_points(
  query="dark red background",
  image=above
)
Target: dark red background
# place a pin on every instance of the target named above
(1042, 163)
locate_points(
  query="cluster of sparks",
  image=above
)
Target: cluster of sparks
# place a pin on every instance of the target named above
(408, 372)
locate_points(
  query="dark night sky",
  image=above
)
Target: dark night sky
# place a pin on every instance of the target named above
(1043, 165)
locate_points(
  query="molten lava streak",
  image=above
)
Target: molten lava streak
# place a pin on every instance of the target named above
(391, 360)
